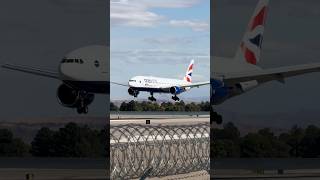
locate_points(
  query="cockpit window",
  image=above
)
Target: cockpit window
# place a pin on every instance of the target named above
(131, 80)
(67, 60)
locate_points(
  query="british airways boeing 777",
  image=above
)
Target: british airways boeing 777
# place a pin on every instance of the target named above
(153, 84)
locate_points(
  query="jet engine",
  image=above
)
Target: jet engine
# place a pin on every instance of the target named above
(176, 90)
(133, 92)
(70, 97)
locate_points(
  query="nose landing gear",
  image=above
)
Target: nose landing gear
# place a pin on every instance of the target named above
(84, 100)
(135, 93)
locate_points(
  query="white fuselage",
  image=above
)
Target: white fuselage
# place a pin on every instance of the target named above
(86, 69)
(154, 84)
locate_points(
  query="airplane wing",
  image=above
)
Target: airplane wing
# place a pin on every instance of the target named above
(197, 84)
(32, 70)
(120, 84)
(278, 74)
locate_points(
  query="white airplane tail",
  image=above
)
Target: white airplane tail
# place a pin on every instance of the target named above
(188, 76)
(250, 46)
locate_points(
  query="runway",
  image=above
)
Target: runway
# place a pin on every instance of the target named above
(159, 119)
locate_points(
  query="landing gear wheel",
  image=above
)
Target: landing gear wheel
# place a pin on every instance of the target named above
(152, 98)
(175, 98)
(83, 110)
(79, 110)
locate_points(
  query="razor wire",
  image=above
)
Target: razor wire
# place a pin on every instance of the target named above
(158, 150)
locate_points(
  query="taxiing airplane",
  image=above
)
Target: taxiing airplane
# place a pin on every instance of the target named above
(83, 73)
(162, 85)
(235, 76)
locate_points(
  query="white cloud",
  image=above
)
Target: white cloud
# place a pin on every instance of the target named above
(194, 25)
(169, 3)
(137, 13)
(169, 40)
(158, 56)
(132, 15)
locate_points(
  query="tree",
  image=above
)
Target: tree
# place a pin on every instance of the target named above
(43, 143)
(10, 146)
(113, 107)
(76, 141)
(293, 139)
(310, 143)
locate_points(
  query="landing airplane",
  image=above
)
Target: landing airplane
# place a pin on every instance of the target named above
(83, 73)
(232, 77)
(153, 84)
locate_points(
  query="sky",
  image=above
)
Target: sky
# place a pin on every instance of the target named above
(159, 38)
(291, 38)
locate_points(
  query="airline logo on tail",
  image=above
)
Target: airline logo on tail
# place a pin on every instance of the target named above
(188, 76)
(251, 44)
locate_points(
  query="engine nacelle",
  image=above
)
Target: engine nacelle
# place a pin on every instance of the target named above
(70, 97)
(131, 91)
(67, 96)
(219, 92)
(176, 90)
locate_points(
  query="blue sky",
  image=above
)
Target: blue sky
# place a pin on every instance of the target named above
(159, 38)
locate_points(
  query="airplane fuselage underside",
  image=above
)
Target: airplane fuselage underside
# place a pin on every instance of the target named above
(149, 89)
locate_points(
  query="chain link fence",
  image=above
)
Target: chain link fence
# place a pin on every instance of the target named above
(158, 150)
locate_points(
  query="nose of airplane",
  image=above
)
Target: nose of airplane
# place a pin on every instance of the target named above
(68, 71)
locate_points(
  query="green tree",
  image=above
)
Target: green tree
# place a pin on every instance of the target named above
(75, 141)
(310, 143)
(293, 138)
(10, 146)
(113, 107)
(43, 143)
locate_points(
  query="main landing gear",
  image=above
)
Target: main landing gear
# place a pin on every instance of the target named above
(151, 98)
(215, 117)
(82, 109)
(175, 98)
(84, 101)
